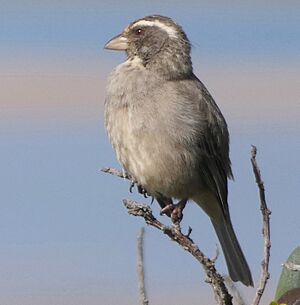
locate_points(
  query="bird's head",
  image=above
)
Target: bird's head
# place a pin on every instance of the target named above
(158, 42)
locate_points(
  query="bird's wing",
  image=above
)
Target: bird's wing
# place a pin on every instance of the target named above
(212, 139)
(215, 142)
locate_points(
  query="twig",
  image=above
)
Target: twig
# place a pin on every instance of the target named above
(265, 275)
(115, 172)
(140, 268)
(213, 277)
(216, 256)
(237, 297)
(221, 293)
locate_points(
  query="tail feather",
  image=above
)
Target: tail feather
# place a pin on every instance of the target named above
(236, 263)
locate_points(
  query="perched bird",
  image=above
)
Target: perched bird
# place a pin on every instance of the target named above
(168, 133)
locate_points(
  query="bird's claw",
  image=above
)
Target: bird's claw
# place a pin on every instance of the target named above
(140, 189)
(132, 183)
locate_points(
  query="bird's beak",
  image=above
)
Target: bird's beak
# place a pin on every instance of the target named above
(118, 43)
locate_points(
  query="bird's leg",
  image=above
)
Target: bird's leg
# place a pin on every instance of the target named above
(175, 211)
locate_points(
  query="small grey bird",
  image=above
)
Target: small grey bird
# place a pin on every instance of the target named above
(168, 133)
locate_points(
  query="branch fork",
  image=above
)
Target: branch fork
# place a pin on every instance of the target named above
(217, 282)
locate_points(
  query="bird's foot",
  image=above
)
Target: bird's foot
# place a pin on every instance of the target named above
(140, 189)
(166, 205)
(132, 184)
(175, 211)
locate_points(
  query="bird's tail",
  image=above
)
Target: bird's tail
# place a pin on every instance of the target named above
(236, 263)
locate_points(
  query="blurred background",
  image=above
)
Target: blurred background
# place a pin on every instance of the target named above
(65, 237)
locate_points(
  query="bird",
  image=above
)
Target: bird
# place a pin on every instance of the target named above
(168, 133)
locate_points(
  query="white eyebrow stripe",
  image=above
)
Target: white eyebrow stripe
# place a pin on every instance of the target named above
(170, 30)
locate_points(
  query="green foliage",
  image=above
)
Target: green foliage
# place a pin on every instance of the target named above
(289, 279)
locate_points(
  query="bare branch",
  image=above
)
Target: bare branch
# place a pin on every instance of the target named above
(115, 172)
(221, 293)
(265, 275)
(216, 256)
(213, 277)
(140, 268)
(237, 297)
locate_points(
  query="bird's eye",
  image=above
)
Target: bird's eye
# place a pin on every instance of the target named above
(138, 31)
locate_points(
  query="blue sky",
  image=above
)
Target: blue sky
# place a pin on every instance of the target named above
(240, 30)
(65, 237)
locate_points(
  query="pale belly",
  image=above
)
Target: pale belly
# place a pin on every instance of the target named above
(156, 162)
